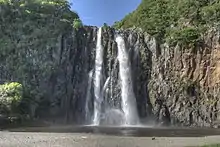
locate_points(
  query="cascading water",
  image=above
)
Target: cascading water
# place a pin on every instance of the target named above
(98, 78)
(103, 93)
(88, 95)
(128, 103)
(105, 86)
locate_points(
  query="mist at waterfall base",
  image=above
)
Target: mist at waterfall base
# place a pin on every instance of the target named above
(106, 115)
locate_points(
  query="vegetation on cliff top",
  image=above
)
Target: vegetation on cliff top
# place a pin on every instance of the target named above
(31, 23)
(181, 21)
(30, 30)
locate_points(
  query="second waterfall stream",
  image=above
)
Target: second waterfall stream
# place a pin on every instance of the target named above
(128, 104)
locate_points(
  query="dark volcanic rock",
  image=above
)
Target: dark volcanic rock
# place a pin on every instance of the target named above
(172, 85)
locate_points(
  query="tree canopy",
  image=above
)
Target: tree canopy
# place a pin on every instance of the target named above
(174, 20)
(29, 33)
(29, 26)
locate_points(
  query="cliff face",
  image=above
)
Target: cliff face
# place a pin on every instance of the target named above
(185, 81)
(172, 85)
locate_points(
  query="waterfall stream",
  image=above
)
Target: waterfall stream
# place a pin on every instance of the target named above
(88, 96)
(98, 79)
(128, 103)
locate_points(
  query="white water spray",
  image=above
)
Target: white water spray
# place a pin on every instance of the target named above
(98, 78)
(128, 103)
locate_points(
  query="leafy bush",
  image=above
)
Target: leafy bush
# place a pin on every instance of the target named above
(10, 98)
(184, 36)
(77, 23)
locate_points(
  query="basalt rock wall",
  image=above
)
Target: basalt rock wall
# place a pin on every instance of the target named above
(173, 85)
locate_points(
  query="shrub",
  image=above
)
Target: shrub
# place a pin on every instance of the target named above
(184, 36)
(10, 98)
(105, 25)
(77, 23)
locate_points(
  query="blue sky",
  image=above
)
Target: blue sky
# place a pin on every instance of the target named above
(97, 12)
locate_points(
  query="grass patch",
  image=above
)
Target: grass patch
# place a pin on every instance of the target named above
(211, 145)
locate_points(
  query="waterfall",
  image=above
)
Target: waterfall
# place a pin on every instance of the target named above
(88, 96)
(98, 78)
(105, 93)
(128, 103)
(105, 86)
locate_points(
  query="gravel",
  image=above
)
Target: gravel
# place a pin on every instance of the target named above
(30, 139)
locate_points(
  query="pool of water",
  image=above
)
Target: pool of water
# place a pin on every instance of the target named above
(135, 131)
